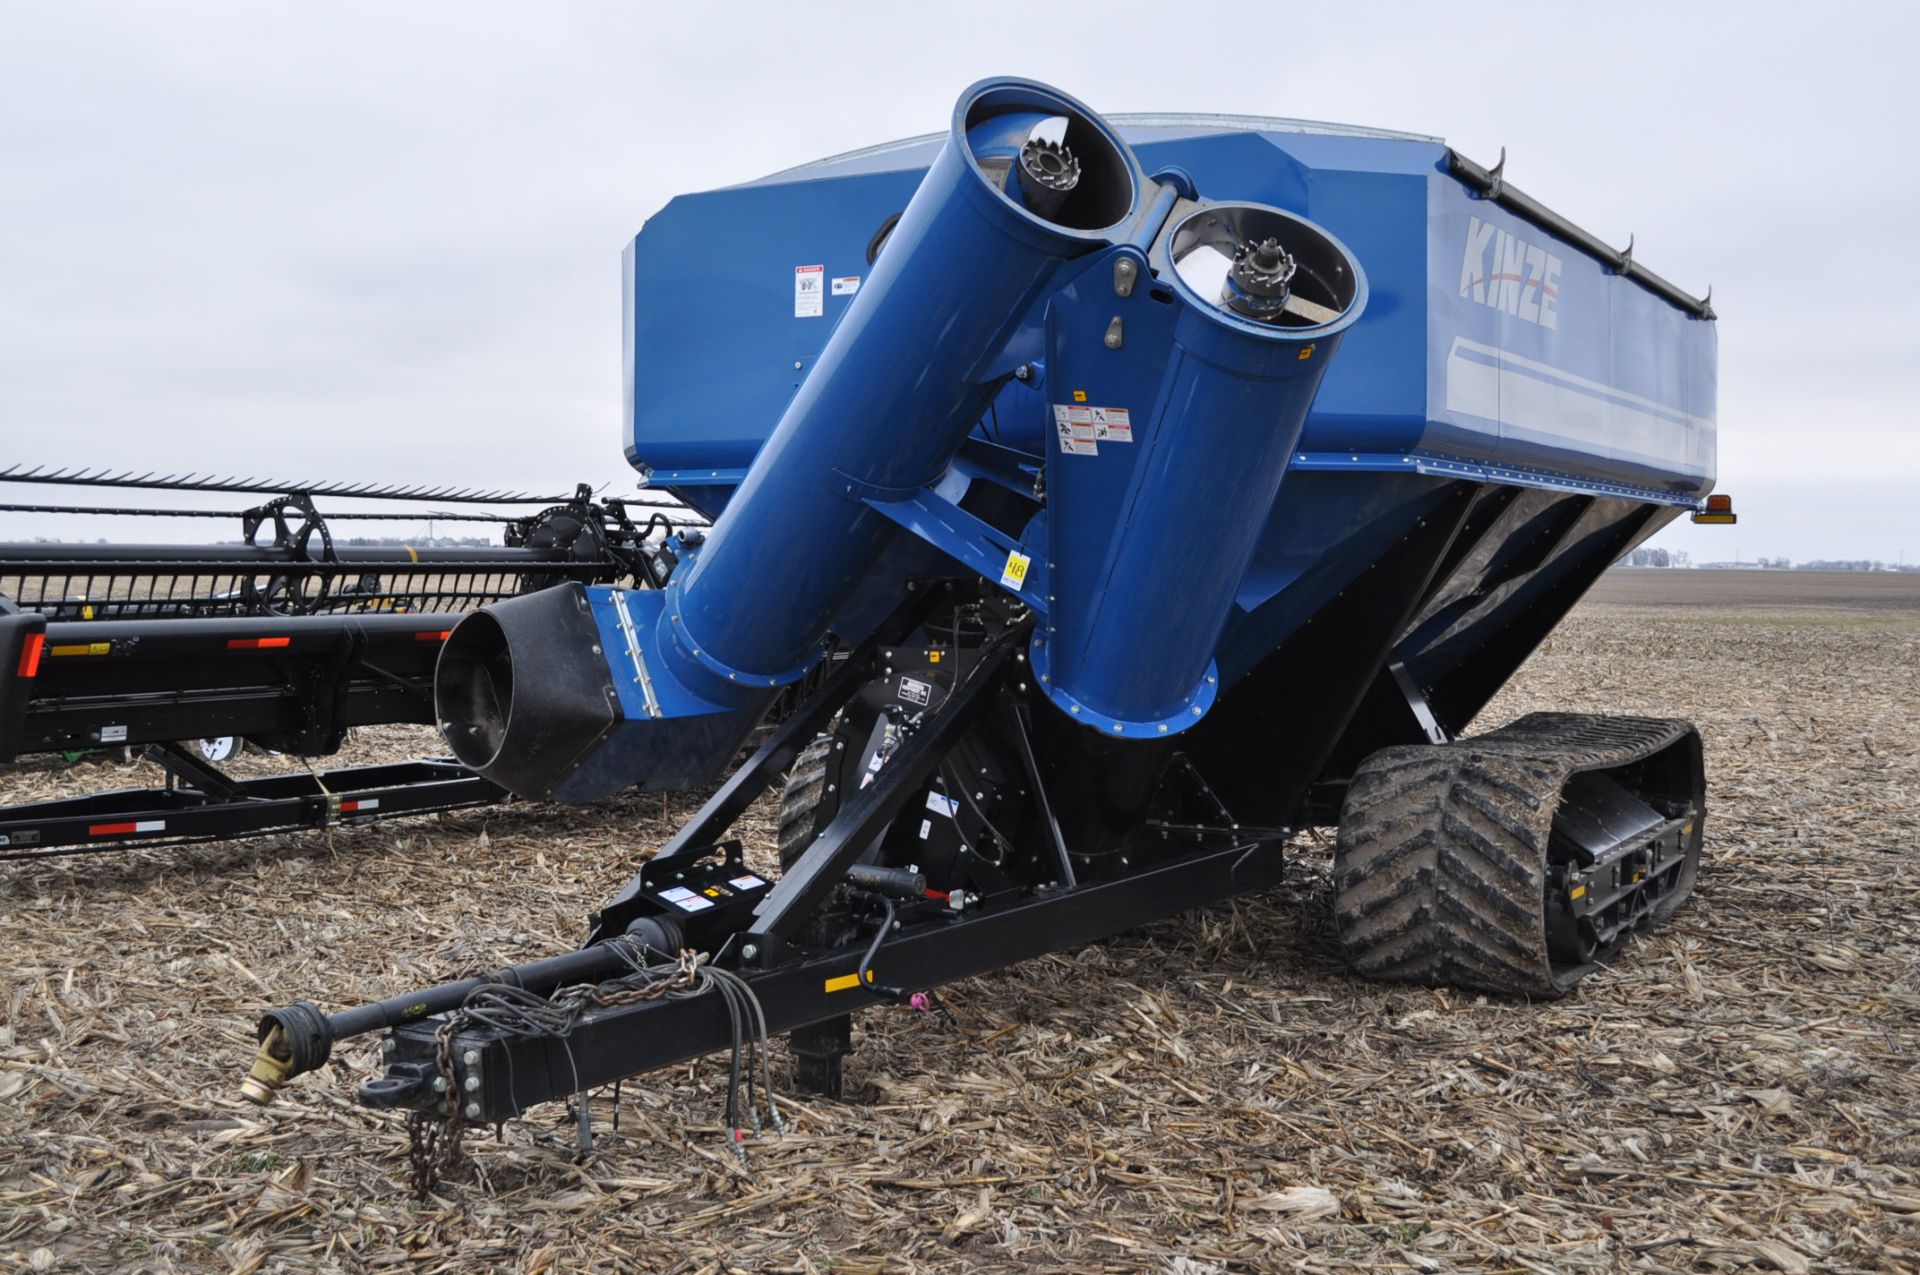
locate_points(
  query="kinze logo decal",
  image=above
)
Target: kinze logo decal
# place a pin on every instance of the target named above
(1506, 272)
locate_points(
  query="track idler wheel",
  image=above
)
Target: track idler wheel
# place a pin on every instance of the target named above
(1520, 861)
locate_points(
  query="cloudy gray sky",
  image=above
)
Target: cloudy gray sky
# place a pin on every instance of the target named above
(381, 240)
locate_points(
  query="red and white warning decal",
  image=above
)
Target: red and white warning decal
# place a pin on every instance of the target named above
(686, 900)
(809, 292)
(1074, 425)
(128, 829)
(1112, 424)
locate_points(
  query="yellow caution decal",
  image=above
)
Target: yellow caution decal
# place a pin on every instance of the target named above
(1014, 575)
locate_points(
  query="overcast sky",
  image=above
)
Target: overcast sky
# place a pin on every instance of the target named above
(382, 240)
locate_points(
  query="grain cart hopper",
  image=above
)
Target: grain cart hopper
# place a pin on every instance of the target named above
(1167, 484)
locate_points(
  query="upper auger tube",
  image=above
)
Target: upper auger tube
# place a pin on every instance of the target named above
(1047, 156)
(1028, 178)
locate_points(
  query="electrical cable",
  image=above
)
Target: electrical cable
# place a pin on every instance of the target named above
(516, 1013)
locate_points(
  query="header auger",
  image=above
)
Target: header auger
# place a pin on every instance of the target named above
(1112, 498)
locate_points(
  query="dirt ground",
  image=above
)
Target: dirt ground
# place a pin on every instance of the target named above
(1212, 1093)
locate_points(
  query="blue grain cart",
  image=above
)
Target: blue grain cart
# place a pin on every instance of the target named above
(1095, 503)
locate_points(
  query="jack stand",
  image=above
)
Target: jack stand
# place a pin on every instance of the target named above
(820, 1055)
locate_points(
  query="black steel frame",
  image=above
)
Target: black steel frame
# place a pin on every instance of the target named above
(1288, 723)
(295, 684)
(515, 1073)
(500, 1075)
(202, 803)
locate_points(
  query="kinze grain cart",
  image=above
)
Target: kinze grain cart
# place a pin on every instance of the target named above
(1147, 490)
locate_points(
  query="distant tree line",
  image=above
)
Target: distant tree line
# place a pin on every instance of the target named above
(1816, 564)
(1851, 564)
(1657, 558)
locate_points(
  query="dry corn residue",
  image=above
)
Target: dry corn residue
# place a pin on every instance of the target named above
(1212, 1093)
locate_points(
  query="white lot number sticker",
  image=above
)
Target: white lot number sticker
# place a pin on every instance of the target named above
(1074, 425)
(809, 292)
(846, 285)
(1014, 574)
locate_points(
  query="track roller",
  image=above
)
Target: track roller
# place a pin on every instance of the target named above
(1519, 861)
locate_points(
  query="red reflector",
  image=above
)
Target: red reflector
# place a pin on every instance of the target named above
(30, 654)
(441, 636)
(252, 644)
(126, 829)
(1719, 504)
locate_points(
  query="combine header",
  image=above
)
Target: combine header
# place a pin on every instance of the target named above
(283, 637)
(1167, 485)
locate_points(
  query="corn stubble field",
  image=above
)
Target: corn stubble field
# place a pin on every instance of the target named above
(1209, 1094)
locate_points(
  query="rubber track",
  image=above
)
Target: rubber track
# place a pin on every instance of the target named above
(1440, 865)
(806, 785)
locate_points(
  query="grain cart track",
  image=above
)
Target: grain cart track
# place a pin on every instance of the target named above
(1518, 861)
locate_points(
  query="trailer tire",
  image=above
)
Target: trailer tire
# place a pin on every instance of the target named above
(800, 801)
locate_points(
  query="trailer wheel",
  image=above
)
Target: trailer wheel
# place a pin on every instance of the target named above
(219, 748)
(1520, 861)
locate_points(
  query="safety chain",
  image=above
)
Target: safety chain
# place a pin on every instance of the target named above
(423, 1137)
(682, 978)
(433, 1137)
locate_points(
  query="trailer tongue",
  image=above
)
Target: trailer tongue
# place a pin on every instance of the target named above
(1157, 486)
